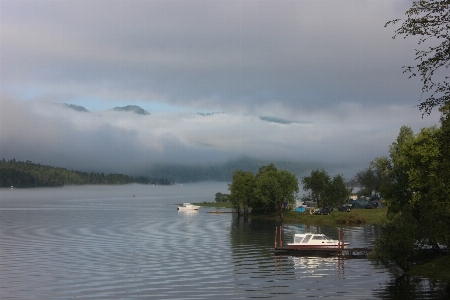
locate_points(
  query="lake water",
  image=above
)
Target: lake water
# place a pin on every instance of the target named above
(130, 242)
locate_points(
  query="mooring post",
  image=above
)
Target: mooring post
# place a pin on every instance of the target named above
(339, 238)
(342, 238)
(281, 242)
(276, 228)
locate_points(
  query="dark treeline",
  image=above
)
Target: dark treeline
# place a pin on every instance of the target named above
(29, 174)
(222, 171)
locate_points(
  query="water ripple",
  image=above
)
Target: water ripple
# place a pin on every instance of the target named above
(143, 248)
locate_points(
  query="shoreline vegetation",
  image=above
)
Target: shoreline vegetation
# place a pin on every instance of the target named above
(435, 268)
(357, 216)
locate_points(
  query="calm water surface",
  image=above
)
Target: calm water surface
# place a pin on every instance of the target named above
(130, 242)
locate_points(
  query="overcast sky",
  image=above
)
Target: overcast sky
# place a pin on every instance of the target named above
(330, 68)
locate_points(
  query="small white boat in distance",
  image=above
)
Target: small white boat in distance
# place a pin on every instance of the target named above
(315, 241)
(188, 206)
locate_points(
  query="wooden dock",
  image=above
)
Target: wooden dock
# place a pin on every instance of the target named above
(347, 252)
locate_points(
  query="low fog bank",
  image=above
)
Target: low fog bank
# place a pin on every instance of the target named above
(171, 144)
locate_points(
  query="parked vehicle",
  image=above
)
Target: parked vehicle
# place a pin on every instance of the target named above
(344, 208)
(372, 204)
(323, 211)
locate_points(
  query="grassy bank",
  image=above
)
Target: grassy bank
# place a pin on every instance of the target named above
(355, 217)
(214, 204)
(438, 268)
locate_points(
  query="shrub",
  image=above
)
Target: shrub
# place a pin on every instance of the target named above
(350, 218)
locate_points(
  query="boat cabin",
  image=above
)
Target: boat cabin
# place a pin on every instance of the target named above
(305, 238)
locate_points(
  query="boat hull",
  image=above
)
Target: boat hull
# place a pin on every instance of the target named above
(314, 247)
(187, 208)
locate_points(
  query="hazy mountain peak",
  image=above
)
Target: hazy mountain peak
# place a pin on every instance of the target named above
(133, 108)
(75, 107)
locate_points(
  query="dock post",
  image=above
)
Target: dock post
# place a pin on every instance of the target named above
(281, 242)
(342, 238)
(276, 228)
(339, 238)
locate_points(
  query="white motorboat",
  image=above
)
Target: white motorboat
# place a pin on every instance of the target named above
(188, 206)
(316, 241)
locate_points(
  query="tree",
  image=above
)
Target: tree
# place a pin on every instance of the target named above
(351, 184)
(367, 181)
(380, 165)
(440, 189)
(266, 192)
(264, 169)
(317, 183)
(373, 178)
(430, 21)
(242, 190)
(219, 197)
(397, 241)
(398, 193)
(336, 192)
(325, 191)
(417, 194)
(274, 188)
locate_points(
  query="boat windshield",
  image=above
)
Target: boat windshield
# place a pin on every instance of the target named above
(307, 238)
(298, 239)
(320, 237)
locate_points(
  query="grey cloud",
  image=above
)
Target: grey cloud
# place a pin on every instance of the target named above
(330, 67)
(220, 54)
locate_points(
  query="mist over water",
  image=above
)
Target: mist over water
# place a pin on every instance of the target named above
(123, 242)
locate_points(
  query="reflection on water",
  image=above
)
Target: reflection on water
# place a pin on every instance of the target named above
(408, 287)
(188, 214)
(103, 243)
(311, 265)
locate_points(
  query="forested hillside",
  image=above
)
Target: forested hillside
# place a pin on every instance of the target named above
(28, 174)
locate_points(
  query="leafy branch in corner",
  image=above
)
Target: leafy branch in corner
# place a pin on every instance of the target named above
(429, 20)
